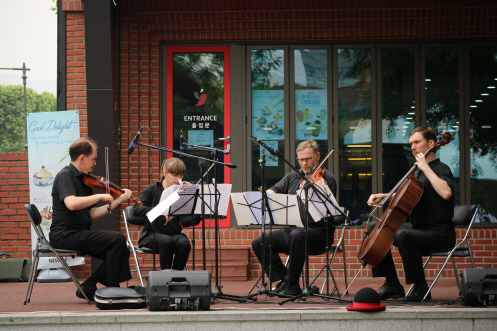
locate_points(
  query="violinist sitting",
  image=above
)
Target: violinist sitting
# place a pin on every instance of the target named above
(172, 245)
(74, 210)
(291, 240)
(431, 229)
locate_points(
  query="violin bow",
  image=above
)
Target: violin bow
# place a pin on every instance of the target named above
(107, 188)
(205, 173)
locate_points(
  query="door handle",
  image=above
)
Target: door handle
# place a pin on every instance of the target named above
(227, 138)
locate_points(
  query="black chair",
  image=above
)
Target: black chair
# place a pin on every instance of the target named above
(464, 216)
(334, 250)
(44, 249)
(139, 221)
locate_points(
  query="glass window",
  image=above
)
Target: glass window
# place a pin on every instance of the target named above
(442, 104)
(398, 110)
(354, 129)
(483, 122)
(311, 97)
(198, 107)
(268, 113)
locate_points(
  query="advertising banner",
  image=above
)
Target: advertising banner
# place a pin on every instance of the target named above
(49, 137)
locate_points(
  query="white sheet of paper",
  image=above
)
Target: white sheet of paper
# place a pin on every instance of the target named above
(317, 209)
(163, 207)
(224, 199)
(285, 208)
(247, 207)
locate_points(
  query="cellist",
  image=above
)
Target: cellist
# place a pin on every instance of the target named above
(431, 221)
(291, 240)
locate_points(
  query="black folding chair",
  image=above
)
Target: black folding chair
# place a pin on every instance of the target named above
(464, 216)
(44, 249)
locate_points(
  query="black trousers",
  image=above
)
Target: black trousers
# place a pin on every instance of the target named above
(413, 244)
(174, 249)
(109, 246)
(290, 241)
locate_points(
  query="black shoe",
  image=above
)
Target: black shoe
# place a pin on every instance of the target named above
(89, 291)
(278, 287)
(418, 294)
(388, 292)
(291, 289)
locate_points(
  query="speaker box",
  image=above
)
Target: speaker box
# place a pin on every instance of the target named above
(479, 286)
(178, 290)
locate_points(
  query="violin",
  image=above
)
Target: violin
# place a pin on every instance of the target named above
(317, 176)
(100, 183)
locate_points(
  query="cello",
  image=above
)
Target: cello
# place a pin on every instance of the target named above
(408, 191)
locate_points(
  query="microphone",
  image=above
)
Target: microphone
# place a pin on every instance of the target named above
(338, 220)
(181, 141)
(269, 149)
(354, 223)
(131, 147)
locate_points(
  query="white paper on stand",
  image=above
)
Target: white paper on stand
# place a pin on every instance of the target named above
(247, 207)
(223, 198)
(318, 209)
(163, 207)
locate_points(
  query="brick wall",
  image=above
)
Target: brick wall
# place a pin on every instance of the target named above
(15, 237)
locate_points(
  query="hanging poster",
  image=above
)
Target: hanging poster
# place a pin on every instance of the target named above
(311, 110)
(49, 137)
(268, 114)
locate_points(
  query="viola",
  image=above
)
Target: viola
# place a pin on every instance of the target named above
(408, 191)
(100, 183)
(317, 176)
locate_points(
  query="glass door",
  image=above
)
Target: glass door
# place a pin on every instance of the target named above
(198, 99)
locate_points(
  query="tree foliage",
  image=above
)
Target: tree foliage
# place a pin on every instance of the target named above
(12, 117)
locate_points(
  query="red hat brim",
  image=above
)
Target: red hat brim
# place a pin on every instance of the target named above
(365, 307)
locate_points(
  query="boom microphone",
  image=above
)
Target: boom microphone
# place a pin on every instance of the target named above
(181, 141)
(269, 149)
(131, 147)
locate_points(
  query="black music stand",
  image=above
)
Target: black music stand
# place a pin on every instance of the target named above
(248, 210)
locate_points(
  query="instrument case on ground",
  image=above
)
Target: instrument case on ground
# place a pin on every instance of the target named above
(178, 290)
(120, 298)
(479, 286)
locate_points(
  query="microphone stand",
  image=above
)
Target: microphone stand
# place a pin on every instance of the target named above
(264, 202)
(216, 292)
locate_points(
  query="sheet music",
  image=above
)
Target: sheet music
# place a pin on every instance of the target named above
(224, 199)
(285, 208)
(247, 207)
(318, 209)
(163, 206)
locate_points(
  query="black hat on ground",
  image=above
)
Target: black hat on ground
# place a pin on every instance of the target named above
(367, 300)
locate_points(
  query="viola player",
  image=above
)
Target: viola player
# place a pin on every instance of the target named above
(74, 210)
(173, 246)
(291, 240)
(431, 221)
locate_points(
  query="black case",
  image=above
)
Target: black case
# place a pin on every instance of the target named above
(479, 286)
(178, 290)
(120, 298)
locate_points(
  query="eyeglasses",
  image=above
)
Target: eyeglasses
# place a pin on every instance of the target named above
(306, 160)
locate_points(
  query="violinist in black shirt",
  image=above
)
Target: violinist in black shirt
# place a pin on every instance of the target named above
(172, 245)
(74, 210)
(291, 240)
